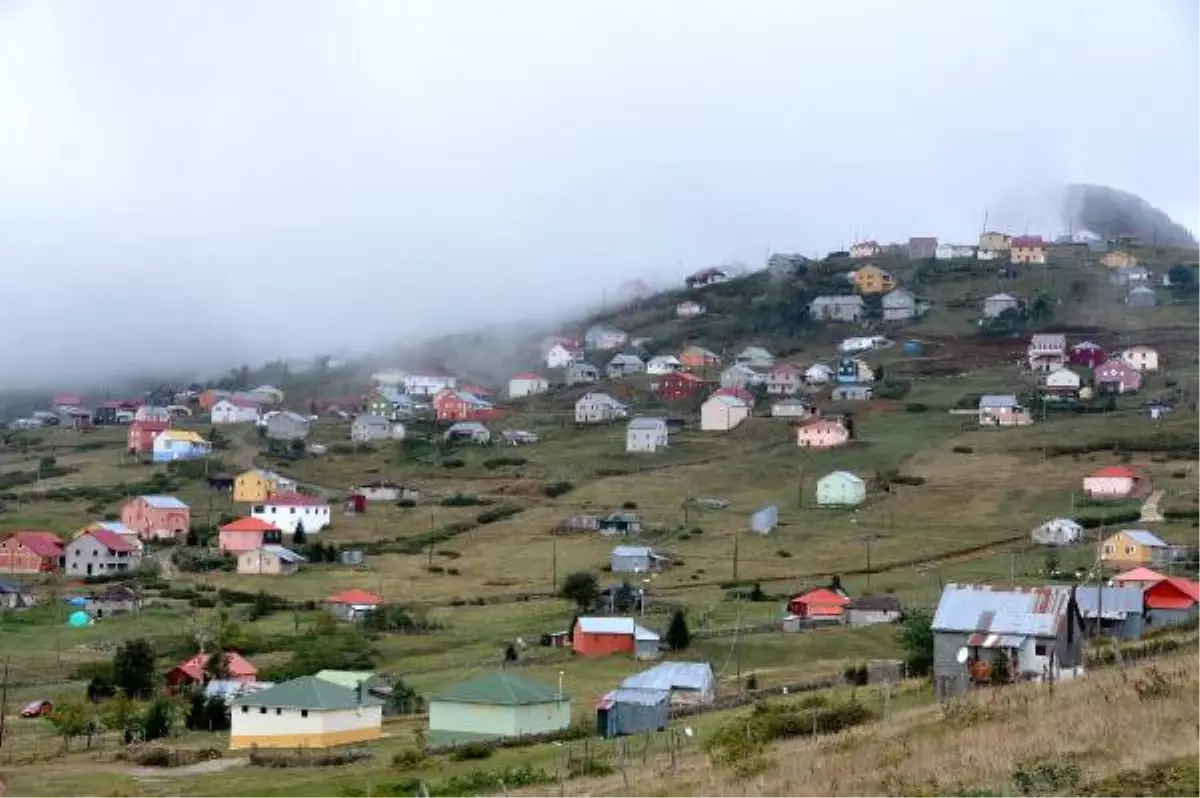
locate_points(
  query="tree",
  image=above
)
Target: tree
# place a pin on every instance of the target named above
(1180, 275)
(133, 668)
(510, 652)
(215, 714)
(916, 638)
(679, 636)
(298, 538)
(404, 699)
(217, 665)
(70, 718)
(580, 587)
(160, 717)
(123, 715)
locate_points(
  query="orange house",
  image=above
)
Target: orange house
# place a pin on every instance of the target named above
(30, 552)
(247, 534)
(697, 357)
(211, 397)
(600, 637)
(821, 604)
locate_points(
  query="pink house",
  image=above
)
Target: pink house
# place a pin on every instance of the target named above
(736, 393)
(191, 671)
(141, 435)
(157, 517)
(1112, 482)
(822, 434)
(247, 534)
(1086, 354)
(1117, 376)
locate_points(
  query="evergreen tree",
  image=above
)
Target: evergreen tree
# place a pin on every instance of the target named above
(133, 668)
(298, 537)
(679, 636)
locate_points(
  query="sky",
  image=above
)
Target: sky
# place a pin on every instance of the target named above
(204, 184)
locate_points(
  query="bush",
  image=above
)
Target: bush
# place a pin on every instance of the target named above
(916, 407)
(556, 489)
(504, 462)
(410, 759)
(905, 479)
(406, 503)
(473, 751)
(460, 500)
(1046, 776)
(784, 553)
(453, 462)
(498, 513)
(963, 449)
(590, 767)
(629, 505)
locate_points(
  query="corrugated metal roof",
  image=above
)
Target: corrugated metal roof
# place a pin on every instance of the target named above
(165, 502)
(631, 551)
(606, 626)
(287, 555)
(500, 687)
(1145, 537)
(998, 400)
(647, 423)
(1113, 603)
(672, 676)
(642, 633)
(996, 610)
(309, 692)
(727, 400)
(981, 640)
(627, 695)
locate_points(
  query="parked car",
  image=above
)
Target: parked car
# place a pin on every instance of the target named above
(37, 709)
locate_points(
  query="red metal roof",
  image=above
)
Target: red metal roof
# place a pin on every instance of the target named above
(1027, 241)
(249, 524)
(235, 662)
(110, 540)
(355, 597)
(1117, 471)
(1139, 574)
(43, 544)
(1173, 593)
(526, 375)
(821, 595)
(292, 500)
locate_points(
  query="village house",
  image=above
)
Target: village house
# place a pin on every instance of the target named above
(851, 393)
(193, 670)
(996, 304)
(562, 355)
(1141, 297)
(119, 528)
(697, 357)
(1130, 548)
(582, 374)
(1113, 482)
(235, 410)
(527, 384)
(783, 380)
(601, 637)
(31, 552)
(429, 382)
(292, 511)
(710, 276)
(389, 402)
(663, 364)
(518, 437)
(288, 426)
(1047, 351)
(1118, 260)
(1112, 611)
(821, 604)
(645, 434)
(307, 712)
(738, 377)
(1142, 358)
(678, 386)
(352, 605)
(210, 397)
(1063, 382)
(494, 706)
(152, 413)
(1129, 276)
(1170, 601)
(722, 413)
(266, 394)
(247, 534)
(1057, 532)
(791, 408)
(462, 406)
(866, 249)
(995, 242)
(141, 435)
(836, 308)
(257, 484)
(901, 305)
(269, 560)
(853, 370)
(602, 336)
(469, 431)
(636, 560)
(367, 428)
(922, 247)
(113, 600)
(100, 552)
(687, 683)
(818, 374)
(1117, 377)
(755, 357)
(623, 365)
(1027, 249)
(1139, 577)
(872, 611)
(872, 280)
(598, 408)
(619, 522)
(172, 444)
(743, 394)
(1002, 410)
(822, 434)
(15, 596)
(954, 251)
(157, 517)
(1086, 354)
(841, 489)
(382, 490)
(689, 310)
(389, 378)
(1036, 631)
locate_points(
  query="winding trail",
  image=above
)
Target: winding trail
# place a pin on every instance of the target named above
(1150, 512)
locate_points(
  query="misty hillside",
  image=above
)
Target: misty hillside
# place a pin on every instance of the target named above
(1109, 213)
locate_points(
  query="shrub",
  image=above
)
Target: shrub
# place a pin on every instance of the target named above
(471, 751)
(460, 500)
(556, 489)
(410, 759)
(629, 505)
(906, 479)
(498, 513)
(916, 407)
(504, 462)
(783, 553)
(590, 767)
(406, 503)
(1046, 776)
(962, 449)
(453, 462)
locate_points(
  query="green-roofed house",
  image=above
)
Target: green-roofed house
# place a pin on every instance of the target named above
(496, 705)
(305, 712)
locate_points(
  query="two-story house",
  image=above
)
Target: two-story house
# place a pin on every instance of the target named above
(1047, 352)
(157, 517)
(98, 552)
(172, 444)
(645, 434)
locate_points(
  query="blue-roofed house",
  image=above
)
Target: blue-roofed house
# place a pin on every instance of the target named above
(390, 402)
(1130, 548)
(157, 517)
(636, 560)
(1033, 631)
(1112, 611)
(689, 683)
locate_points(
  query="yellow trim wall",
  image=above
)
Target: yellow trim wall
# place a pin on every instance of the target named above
(315, 740)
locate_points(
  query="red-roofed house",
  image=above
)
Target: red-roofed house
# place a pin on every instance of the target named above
(453, 405)
(140, 438)
(680, 385)
(67, 400)
(821, 604)
(291, 511)
(1172, 600)
(1086, 354)
(31, 552)
(527, 384)
(563, 354)
(247, 534)
(1028, 249)
(1117, 376)
(1112, 482)
(351, 604)
(98, 552)
(191, 671)
(1139, 577)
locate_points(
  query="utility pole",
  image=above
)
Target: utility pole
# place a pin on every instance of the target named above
(736, 535)
(3, 701)
(553, 563)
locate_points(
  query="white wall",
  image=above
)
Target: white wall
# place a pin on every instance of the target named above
(314, 519)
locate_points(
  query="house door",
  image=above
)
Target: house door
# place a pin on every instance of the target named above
(89, 569)
(602, 723)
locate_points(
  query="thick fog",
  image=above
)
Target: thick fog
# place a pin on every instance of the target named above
(210, 183)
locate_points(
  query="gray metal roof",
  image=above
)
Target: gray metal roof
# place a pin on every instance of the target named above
(647, 423)
(628, 695)
(632, 551)
(1114, 602)
(1144, 537)
(287, 555)
(673, 676)
(1026, 611)
(998, 400)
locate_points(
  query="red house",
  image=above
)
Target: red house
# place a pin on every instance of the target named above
(30, 552)
(1117, 376)
(600, 637)
(349, 605)
(191, 671)
(680, 385)
(1172, 593)
(247, 534)
(821, 604)
(462, 406)
(157, 517)
(1086, 355)
(142, 434)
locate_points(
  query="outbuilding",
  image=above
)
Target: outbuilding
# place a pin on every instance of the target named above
(495, 706)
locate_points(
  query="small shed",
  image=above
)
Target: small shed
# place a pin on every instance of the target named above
(635, 560)
(688, 682)
(631, 711)
(851, 393)
(1113, 611)
(1058, 532)
(872, 610)
(841, 489)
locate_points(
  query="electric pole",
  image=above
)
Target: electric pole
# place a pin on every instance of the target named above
(736, 536)
(553, 563)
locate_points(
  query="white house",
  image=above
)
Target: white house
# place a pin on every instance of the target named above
(663, 364)
(818, 374)
(865, 249)
(738, 376)
(562, 355)
(288, 511)
(308, 712)
(527, 384)
(596, 408)
(791, 408)
(1063, 380)
(755, 357)
(429, 383)
(862, 343)
(1142, 358)
(954, 251)
(1058, 532)
(646, 434)
(368, 427)
(235, 411)
(689, 310)
(720, 413)
(1111, 482)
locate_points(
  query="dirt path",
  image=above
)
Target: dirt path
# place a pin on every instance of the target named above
(1150, 512)
(198, 769)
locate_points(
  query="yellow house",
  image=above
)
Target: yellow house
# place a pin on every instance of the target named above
(257, 485)
(307, 712)
(872, 280)
(1133, 547)
(1118, 260)
(994, 242)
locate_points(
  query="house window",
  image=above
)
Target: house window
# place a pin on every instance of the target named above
(1039, 649)
(278, 711)
(262, 710)
(1108, 549)
(304, 713)
(1130, 549)
(245, 710)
